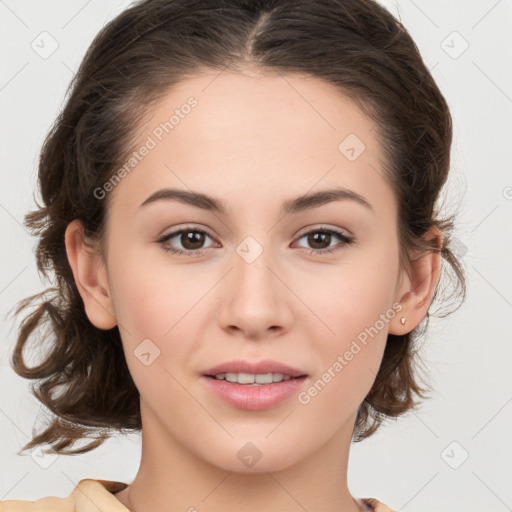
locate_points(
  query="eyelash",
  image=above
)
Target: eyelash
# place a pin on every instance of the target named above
(198, 252)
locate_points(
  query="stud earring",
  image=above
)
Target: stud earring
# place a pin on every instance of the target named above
(402, 320)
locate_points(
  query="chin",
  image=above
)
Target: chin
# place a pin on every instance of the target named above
(254, 455)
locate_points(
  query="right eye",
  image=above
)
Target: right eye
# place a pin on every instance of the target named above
(191, 239)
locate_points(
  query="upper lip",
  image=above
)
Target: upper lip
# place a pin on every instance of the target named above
(255, 367)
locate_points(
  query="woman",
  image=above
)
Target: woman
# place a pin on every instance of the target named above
(240, 206)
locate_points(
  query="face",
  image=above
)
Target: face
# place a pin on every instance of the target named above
(259, 275)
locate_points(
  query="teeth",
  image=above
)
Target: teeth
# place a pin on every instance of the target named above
(251, 378)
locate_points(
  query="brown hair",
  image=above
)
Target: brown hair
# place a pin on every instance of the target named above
(357, 45)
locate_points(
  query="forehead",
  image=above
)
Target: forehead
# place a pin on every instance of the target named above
(255, 107)
(237, 132)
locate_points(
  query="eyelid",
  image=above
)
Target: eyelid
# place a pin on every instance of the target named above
(323, 227)
(198, 227)
(178, 230)
(191, 227)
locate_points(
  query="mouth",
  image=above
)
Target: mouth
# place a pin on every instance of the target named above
(254, 386)
(254, 379)
(262, 372)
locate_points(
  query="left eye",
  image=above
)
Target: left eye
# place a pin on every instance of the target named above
(193, 239)
(323, 236)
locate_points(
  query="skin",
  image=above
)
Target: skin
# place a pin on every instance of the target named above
(253, 141)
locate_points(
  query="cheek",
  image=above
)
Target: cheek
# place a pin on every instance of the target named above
(355, 308)
(152, 299)
(155, 311)
(350, 298)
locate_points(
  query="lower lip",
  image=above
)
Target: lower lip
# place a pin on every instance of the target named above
(253, 398)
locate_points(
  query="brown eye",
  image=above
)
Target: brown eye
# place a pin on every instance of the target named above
(189, 241)
(192, 240)
(319, 240)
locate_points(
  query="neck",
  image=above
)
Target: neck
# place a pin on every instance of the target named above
(172, 478)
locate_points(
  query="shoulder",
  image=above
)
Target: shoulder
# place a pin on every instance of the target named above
(88, 496)
(50, 503)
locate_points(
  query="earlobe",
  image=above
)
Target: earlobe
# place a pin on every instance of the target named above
(417, 290)
(90, 277)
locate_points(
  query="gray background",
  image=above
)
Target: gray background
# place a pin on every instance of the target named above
(414, 464)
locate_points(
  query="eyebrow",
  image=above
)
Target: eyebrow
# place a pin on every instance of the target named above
(298, 204)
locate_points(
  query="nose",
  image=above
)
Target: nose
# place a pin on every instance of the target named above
(255, 299)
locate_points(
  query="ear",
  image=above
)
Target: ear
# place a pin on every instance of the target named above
(417, 289)
(90, 277)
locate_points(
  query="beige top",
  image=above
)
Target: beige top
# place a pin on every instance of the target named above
(92, 495)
